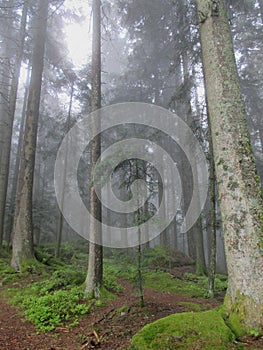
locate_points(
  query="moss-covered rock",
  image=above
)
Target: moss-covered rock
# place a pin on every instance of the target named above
(191, 330)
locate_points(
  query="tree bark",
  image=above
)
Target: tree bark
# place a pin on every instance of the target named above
(6, 56)
(7, 137)
(261, 9)
(94, 277)
(9, 226)
(195, 234)
(60, 215)
(23, 225)
(239, 188)
(212, 221)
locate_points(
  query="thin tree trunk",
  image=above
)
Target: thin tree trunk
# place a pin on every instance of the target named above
(261, 9)
(94, 277)
(23, 225)
(9, 227)
(6, 55)
(212, 222)
(6, 148)
(195, 234)
(139, 270)
(161, 197)
(139, 218)
(239, 187)
(60, 215)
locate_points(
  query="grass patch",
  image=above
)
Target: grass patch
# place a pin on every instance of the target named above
(164, 282)
(110, 277)
(194, 287)
(7, 273)
(201, 330)
(164, 258)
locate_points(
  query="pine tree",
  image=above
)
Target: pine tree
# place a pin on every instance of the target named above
(23, 225)
(94, 276)
(239, 188)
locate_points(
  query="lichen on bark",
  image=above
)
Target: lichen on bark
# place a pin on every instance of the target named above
(239, 191)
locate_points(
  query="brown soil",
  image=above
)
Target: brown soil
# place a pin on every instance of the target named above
(109, 327)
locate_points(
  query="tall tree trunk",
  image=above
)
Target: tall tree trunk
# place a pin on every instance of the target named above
(94, 276)
(239, 187)
(9, 227)
(23, 225)
(7, 137)
(161, 197)
(6, 55)
(212, 221)
(261, 9)
(195, 234)
(138, 219)
(60, 215)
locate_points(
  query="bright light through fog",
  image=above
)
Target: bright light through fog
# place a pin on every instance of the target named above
(78, 35)
(79, 43)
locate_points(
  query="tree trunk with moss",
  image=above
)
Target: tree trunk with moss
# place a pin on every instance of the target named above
(239, 188)
(94, 276)
(23, 225)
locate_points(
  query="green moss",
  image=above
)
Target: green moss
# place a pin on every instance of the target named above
(191, 306)
(199, 270)
(233, 316)
(249, 146)
(7, 273)
(203, 330)
(164, 282)
(32, 266)
(235, 324)
(192, 285)
(236, 314)
(105, 294)
(124, 308)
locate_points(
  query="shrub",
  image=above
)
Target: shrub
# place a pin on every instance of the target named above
(51, 310)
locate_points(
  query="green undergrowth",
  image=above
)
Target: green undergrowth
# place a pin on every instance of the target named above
(7, 273)
(194, 287)
(50, 290)
(191, 330)
(52, 310)
(58, 300)
(164, 258)
(157, 265)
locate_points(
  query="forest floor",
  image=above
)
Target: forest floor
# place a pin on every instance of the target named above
(110, 327)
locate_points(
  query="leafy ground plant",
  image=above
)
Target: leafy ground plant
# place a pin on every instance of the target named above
(51, 310)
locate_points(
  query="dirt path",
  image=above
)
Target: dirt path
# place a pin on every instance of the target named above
(109, 327)
(114, 324)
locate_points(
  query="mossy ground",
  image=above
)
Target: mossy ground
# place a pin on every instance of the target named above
(49, 291)
(192, 286)
(50, 295)
(192, 330)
